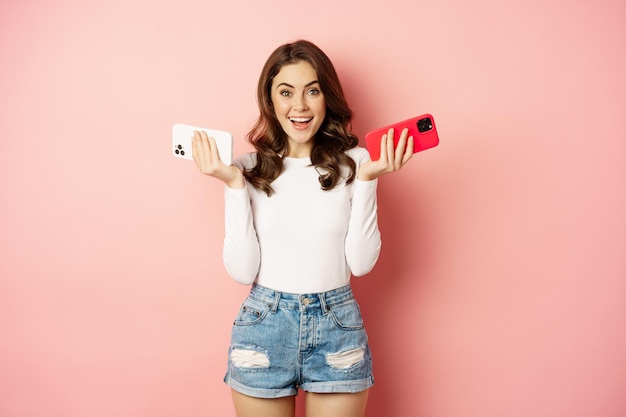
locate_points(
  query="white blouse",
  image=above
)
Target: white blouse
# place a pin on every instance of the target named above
(301, 239)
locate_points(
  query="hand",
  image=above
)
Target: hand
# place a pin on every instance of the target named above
(391, 159)
(206, 157)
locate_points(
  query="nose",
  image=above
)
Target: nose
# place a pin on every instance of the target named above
(300, 103)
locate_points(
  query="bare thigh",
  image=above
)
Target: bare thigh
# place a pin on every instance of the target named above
(246, 406)
(336, 405)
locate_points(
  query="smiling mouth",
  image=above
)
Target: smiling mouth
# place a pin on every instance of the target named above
(300, 123)
(300, 119)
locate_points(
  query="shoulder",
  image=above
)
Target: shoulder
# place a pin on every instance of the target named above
(246, 161)
(359, 154)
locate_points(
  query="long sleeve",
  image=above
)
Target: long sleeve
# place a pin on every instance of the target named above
(241, 251)
(301, 239)
(363, 240)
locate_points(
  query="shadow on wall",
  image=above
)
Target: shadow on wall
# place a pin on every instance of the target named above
(406, 228)
(460, 212)
(384, 293)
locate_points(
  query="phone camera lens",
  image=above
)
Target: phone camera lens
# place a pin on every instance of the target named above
(176, 151)
(182, 153)
(424, 125)
(180, 146)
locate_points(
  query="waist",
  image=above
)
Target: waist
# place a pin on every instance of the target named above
(321, 300)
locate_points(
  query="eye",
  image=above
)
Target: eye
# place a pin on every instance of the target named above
(313, 92)
(285, 93)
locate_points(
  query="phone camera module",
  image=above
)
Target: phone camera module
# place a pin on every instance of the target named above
(424, 125)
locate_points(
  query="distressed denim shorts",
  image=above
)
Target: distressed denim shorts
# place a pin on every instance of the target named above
(282, 342)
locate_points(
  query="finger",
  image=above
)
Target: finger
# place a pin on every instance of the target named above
(196, 145)
(214, 151)
(201, 150)
(408, 153)
(206, 146)
(390, 146)
(400, 149)
(383, 148)
(204, 136)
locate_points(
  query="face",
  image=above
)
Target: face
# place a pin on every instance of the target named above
(299, 106)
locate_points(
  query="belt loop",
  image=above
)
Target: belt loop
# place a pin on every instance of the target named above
(325, 308)
(276, 301)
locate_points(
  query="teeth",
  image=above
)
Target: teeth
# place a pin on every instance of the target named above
(301, 119)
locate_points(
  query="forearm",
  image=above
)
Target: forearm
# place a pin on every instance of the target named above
(363, 242)
(241, 252)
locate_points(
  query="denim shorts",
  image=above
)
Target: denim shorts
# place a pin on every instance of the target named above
(283, 342)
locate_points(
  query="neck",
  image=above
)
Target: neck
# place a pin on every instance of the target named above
(300, 150)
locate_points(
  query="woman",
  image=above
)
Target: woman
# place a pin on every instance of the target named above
(301, 219)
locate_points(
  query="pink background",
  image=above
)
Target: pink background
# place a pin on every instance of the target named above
(501, 288)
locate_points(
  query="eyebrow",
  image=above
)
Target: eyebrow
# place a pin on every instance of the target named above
(291, 86)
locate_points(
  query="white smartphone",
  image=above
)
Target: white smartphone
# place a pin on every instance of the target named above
(182, 136)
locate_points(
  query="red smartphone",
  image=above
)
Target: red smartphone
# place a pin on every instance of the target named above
(422, 128)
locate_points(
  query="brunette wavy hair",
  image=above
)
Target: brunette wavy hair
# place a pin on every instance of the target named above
(331, 141)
